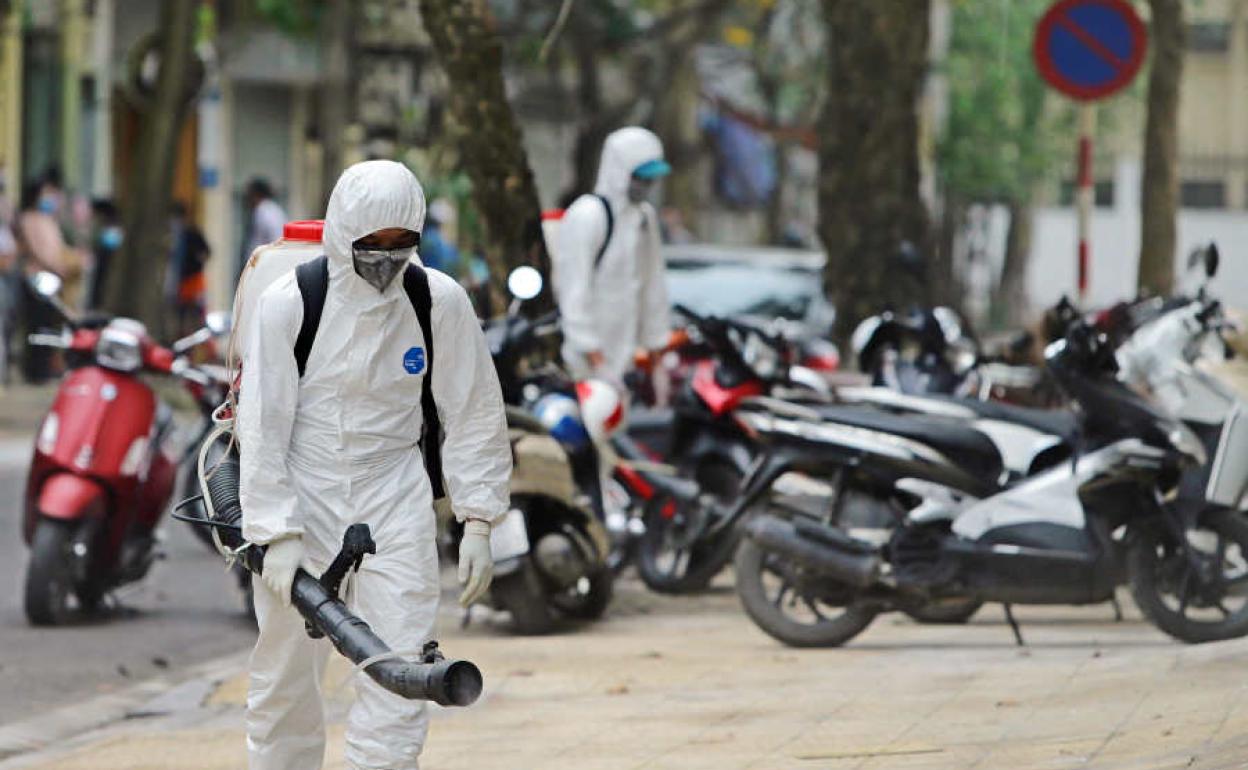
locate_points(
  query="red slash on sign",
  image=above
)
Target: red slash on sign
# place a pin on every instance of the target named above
(1096, 46)
(1089, 49)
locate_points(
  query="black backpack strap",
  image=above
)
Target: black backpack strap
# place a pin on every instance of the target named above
(313, 279)
(416, 284)
(602, 250)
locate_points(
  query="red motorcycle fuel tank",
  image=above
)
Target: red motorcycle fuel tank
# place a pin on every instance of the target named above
(718, 399)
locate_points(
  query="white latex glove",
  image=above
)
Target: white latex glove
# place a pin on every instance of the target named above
(281, 560)
(476, 563)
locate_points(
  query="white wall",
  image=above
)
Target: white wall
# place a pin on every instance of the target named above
(1115, 246)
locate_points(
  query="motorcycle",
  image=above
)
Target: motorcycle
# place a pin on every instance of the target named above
(924, 351)
(678, 551)
(207, 398)
(1156, 342)
(1068, 535)
(551, 550)
(102, 473)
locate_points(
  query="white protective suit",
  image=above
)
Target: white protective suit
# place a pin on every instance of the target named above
(339, 446)
(622, 304)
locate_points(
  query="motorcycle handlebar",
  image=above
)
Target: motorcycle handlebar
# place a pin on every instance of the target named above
(48, 341)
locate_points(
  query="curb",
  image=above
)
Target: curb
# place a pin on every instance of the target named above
(145, 699)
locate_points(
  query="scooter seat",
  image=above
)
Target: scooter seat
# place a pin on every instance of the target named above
(967, 447)
(1054, 422)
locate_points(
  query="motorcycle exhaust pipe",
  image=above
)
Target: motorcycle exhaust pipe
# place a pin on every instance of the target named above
(445, 682)
(820, 548)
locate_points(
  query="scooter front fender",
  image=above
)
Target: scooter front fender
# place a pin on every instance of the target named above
(68, 497)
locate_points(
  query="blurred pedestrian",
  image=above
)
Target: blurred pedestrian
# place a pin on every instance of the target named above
(8, 281)
(41, 247)
(436, 251)
(106, 236)
(265, 218)
(607, 268)
(185, 283)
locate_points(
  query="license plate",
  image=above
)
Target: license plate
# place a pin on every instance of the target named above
(509, 537)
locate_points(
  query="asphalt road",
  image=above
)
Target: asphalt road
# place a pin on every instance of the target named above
(185, 611)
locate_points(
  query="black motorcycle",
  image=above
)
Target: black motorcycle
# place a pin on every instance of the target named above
(1068, 535)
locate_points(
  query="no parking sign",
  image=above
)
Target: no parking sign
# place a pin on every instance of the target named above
(1088, 49)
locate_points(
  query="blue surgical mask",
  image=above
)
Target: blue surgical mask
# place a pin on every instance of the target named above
(48, 204)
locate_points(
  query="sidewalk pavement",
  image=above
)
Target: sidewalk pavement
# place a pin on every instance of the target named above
(689, 683)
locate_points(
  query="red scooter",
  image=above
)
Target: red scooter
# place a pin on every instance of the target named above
(102, 475)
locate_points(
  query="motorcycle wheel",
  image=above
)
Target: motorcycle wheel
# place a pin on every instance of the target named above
(945, 612)
(589, 599)
(765, 582)
(1180, 603)
(521, 594)
(666, 562)
(49, 586)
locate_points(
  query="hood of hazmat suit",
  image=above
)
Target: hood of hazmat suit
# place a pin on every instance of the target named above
(620, 304)
(339, 446)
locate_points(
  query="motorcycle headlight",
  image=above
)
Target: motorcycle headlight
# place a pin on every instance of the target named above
(1188, 443)
(51, 428)
(119, 349)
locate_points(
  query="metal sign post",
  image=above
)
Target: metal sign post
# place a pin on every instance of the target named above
(1088, 49)
(1085, 194)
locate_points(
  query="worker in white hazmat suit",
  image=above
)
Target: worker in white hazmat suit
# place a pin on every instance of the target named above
(607, 268)
(338, 445)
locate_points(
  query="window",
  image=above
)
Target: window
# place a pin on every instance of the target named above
(1209, 37)
(1203, 194)
(1102, 193)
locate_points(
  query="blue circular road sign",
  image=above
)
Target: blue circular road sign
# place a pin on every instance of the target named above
(1089, 49)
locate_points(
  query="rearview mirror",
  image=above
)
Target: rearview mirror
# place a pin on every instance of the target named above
(47, 284)
(524, 283)
(1211, 260)
(218, 322)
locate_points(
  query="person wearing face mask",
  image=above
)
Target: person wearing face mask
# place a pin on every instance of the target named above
(328, 437)
(606, 266)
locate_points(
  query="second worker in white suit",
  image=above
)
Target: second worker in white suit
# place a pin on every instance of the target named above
(606, 263)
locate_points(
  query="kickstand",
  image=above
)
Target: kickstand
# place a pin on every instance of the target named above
(1117, 610)
(466, 618)
(1009, 618)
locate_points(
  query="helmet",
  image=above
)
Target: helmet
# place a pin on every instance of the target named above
(561, 416)
(602, 407)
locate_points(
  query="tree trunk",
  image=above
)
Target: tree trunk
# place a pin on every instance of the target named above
(1009, 301)
(676, 104)
(488, 134)
(676, 121)
(872, 220)
(335, 92)
(136, 279)
(1159, 189)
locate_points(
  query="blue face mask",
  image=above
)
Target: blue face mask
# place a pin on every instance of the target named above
(110, 238)
(47, 204)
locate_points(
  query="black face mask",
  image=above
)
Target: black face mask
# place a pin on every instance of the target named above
(639, 189)
(379, 273)
(378, 266)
